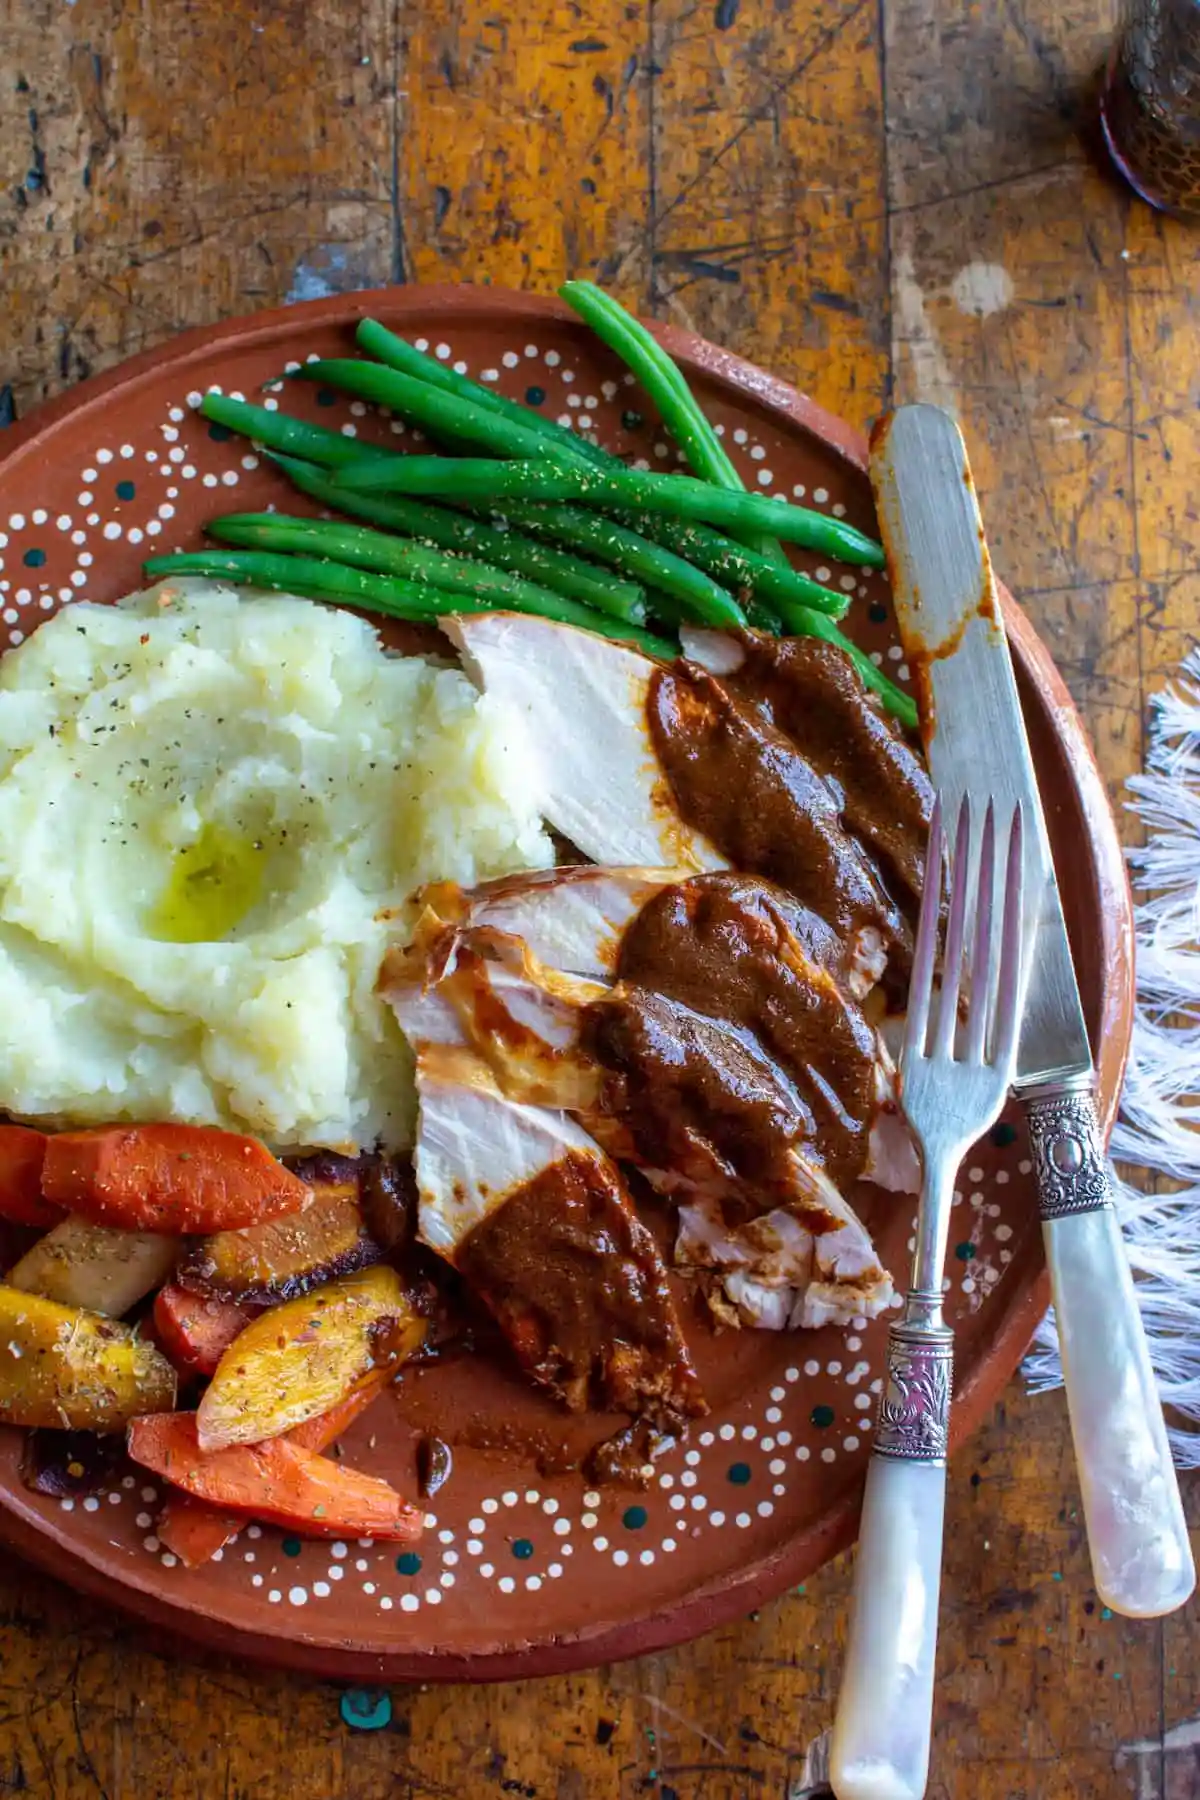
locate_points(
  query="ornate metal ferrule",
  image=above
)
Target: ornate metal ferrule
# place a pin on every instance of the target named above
(914, 1410)
(1068, 1156)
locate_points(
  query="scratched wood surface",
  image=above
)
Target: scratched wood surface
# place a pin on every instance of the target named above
(876, 200)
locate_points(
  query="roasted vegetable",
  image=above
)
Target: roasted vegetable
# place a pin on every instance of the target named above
(278, 1482)
(320, 1433)
(95, 1266)
(64, 1367)
(435, 1465)
(74, 1463)
(286, 1257)
(195, 1331)
(22, 1153)
(298, 1359)
(168, 1178)
(195, 1529)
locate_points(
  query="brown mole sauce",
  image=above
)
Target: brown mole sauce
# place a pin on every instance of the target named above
(580, 1291)
(737, 778)
(726, 1043)
(813, 693)
(435, 1465)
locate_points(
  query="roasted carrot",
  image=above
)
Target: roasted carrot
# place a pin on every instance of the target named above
(278, 1482)
(177, 1178)
(22, 1153)
(319, 1433)
(194, 1332)
(195, 1529)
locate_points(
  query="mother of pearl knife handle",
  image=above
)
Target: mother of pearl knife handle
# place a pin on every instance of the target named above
(1141, 1556)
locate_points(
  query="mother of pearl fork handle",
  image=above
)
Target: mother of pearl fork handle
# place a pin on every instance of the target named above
(954, 1076)
(881, 1739)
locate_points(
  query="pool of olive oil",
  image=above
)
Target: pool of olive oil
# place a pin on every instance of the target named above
(213, 884)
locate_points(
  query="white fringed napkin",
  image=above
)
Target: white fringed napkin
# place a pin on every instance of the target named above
(1159, 1126)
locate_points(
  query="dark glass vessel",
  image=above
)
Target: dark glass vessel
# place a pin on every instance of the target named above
(1150, 104)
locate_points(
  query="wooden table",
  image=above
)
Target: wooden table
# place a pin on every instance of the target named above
(879, 199)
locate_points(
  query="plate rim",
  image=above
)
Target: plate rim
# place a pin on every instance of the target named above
(734, 1593)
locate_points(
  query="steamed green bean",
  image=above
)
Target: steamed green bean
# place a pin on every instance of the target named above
(568, 575)
(474, 479)
(376, 550)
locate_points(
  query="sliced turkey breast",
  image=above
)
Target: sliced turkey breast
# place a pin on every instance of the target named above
(638, 763)
(538, 1222)
(700, 1103)
(778, 1273)
(581, 701)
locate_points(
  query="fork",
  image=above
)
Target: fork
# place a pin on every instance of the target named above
(955, 1068)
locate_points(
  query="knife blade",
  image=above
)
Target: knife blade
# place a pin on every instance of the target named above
(950, 625)
(952, 631)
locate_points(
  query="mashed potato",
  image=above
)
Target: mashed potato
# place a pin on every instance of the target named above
(209, 804)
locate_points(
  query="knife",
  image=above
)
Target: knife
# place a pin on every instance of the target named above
(953, 635)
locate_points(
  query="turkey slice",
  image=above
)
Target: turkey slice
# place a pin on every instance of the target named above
(538, 1222)
(581, 700)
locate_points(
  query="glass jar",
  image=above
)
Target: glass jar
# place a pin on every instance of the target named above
(1150, 105)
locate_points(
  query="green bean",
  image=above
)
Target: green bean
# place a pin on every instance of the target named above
(441, 412)
(663, 381)
(763, 617)
(279, 431)
(544, 563)
(705, 601)
(387, 555)
(405, 360)
(659, 374)
(568, 575)
(386, 347)
(319, 579)
(666, 384)
(430, 407)
(668, 609)
(766, 574)
(738, 566)
(473, 479)
(685, 589)
(395, 556)
(708, 602)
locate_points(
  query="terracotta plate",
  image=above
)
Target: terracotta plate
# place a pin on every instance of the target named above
(520, 1572)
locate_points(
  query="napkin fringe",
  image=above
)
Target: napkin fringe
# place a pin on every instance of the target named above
(1158, 1130)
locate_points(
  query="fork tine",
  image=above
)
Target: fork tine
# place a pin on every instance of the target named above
(981, 949)
(1009, 985)
(947, 1019)
(920, 987)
